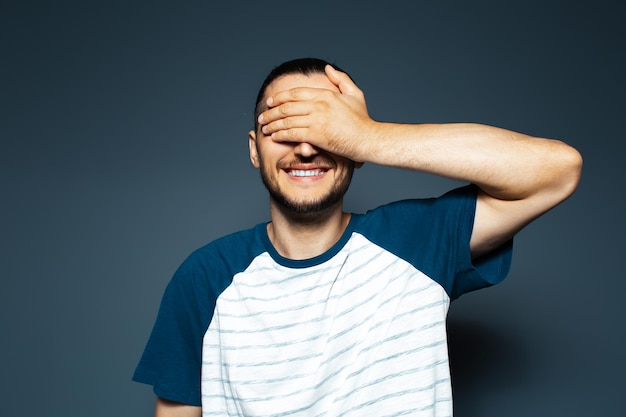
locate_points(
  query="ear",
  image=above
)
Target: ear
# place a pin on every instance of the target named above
(254, 154)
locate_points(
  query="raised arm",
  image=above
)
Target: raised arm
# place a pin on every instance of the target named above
(520, 177)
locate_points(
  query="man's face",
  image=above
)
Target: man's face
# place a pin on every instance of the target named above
(300, 177)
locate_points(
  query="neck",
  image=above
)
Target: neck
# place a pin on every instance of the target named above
(303, 236)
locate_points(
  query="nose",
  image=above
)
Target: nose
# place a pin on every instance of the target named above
(305, 150)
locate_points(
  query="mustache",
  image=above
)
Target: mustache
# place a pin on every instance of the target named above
(319, 161)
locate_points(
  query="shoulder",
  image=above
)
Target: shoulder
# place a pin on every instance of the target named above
(424, 211)
(218, 261)
(429, 233)
(227, 247)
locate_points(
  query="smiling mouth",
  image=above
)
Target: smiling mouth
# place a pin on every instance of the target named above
(306, 172)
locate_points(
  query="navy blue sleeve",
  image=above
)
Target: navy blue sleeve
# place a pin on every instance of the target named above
(434, 236)
(471, 274)
(172, 359)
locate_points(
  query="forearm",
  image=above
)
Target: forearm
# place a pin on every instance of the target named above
(505, 164)
(165, 408)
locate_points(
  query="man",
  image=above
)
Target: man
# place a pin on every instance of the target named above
(325, 313)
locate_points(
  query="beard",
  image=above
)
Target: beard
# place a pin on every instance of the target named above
(307, 206)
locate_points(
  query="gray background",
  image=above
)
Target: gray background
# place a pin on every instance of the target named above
(123, 148)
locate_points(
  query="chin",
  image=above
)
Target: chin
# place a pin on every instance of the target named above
(308, 206)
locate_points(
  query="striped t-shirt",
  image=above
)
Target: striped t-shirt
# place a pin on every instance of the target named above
(357, 331)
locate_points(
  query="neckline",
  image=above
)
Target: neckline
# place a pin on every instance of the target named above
(309, 262)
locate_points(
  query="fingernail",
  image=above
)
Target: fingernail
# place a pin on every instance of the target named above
(260, 118)
(270, 101)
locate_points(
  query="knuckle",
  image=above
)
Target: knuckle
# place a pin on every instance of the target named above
(284, 109)
(291, 134)
(295, 93)
(328, 95)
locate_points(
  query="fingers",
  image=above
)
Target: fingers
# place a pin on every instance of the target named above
(282, 129)
(292, 121)
(343, 82)
(283, 111)
(292, 95)
(292, 135)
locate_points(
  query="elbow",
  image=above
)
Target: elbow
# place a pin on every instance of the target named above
(575, 168)
(571, 165)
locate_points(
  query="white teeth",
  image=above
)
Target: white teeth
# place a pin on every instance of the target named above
(305, 173)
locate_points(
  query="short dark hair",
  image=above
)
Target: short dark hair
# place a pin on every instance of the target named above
(305, 66)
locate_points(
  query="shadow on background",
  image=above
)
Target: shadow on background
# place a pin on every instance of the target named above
(483, 362)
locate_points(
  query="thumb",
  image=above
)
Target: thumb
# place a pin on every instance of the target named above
(342, 81)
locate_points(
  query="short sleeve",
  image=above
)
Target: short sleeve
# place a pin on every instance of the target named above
(171, 361)
(470, 274)
(434, 236)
